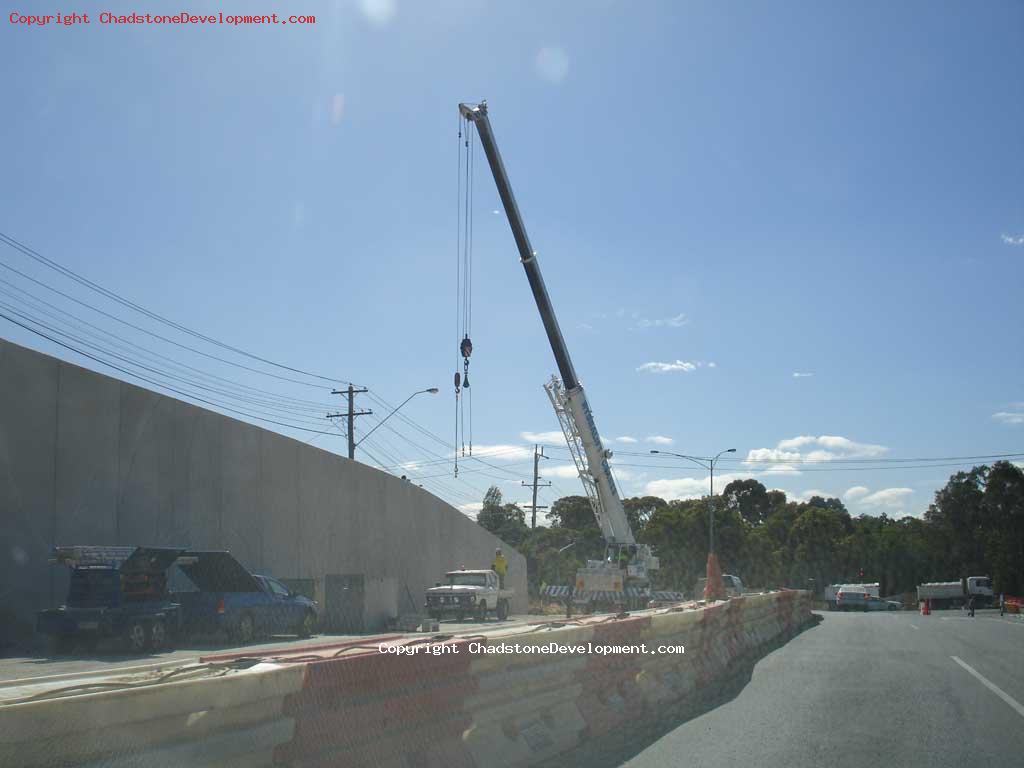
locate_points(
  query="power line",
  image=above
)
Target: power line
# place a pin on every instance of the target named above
(41, 305)
(159, 372)
(153, 382)
(27, 251)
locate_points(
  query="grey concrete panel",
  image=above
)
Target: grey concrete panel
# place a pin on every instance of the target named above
(139, 466)
(88, 429)
(28, 383)
(241, 510)
(87, 459)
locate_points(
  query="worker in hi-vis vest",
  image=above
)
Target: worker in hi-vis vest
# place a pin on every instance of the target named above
(500, 567)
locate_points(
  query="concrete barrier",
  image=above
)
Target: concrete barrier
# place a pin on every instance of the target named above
(455, 703)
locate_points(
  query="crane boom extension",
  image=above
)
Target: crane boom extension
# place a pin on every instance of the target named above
(570, 401)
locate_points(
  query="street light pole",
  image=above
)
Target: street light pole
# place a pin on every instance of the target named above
(708, 464)
(351, 441)
(431, 391)
(711, 500)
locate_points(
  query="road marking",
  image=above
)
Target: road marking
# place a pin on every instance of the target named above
(915, 626)
(1017, 706)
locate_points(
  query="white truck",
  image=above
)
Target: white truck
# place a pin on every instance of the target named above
(952, 594)
(474, 593)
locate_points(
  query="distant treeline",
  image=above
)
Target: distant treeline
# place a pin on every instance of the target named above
(974, 527)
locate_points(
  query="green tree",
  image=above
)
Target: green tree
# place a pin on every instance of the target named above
(750, 499)
(639, 510)
(573, 512)
(1003, 523)
(506, 521)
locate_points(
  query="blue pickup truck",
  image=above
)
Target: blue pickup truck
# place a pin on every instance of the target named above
(115, 593)
(229, 599)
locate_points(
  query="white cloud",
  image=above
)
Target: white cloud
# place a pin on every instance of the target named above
(659, 440)
(686, 366)
(678, 365)
(337, 108)
(888, 498)
(553, 436)
(378, 12)
(781, 469)
(802, 374)
(766, 455)
(1008, 417)
(805, 496)
(626, 440)
(1010, 240)
(561, 471)
(689, 487)
(502, 452)
(470, 510)
(552, 64)
(826, 448)
(585, 326)
(678, 488)
(855, 492)
(678, 321)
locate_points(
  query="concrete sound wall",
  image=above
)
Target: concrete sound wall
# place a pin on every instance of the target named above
(88, 459)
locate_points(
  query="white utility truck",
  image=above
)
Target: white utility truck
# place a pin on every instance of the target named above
(952, 594)
(469, 593)
(621, 580)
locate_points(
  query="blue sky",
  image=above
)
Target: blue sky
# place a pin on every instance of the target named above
(721, 196)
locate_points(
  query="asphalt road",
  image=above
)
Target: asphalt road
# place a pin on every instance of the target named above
(27, 667)
(868, 689)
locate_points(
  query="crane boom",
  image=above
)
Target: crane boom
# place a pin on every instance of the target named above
(567, 396)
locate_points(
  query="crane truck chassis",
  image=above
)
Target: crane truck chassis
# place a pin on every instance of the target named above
(602, 584)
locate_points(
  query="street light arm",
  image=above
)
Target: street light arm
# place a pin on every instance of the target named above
(700, 462)
(432, 390)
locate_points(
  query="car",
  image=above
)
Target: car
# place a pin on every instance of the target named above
(115, 593)
(228, 599)
(853, 598)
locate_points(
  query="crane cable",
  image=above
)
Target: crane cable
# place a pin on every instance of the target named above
(464, 288)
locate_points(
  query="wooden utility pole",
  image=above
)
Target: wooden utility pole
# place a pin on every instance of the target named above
(350, 415)
(538, 454)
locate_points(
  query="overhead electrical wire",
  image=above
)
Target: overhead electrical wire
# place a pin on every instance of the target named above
(245, 392)
(155, 335)
(278, 410)
(113, 296)
(156, 383)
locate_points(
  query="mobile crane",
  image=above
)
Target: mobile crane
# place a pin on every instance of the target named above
(603, 583)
